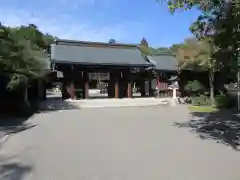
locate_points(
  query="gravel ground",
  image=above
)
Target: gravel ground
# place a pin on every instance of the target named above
(115, 144)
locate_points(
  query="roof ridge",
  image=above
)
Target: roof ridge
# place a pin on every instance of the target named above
(76, 42)
(163, 53)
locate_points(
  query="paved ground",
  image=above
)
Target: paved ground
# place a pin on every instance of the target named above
(2, 133)
(115, 144)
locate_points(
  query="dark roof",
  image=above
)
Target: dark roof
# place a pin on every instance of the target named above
(164, 61)
(96, 53)
(90, 43)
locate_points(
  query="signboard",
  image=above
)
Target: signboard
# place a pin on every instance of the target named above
(99, 76)
(135, 70)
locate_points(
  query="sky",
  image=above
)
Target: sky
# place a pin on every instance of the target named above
(126, 21)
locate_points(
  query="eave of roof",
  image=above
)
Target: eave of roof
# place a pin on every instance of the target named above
(164, 61)
(97, 54)
(103, 64)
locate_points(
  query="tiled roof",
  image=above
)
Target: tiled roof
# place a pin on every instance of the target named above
(96, 53)
(164, 61)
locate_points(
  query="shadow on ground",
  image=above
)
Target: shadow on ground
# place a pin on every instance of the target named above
(56, 104)
(13, 171)
(222, 126)
(13, 125)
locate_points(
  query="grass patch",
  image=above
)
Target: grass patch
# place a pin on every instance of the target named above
(202, 109)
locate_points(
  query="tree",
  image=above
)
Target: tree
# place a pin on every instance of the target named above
(163, 50)
(196, 55)
(144, 42)
(112, 41)
(219, 23)
(147, 50)
(174, 48)
(22, 54)
(218, 26)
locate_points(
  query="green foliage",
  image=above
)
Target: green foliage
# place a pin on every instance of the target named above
(218, 26)
(201, 100)
(174, 48)
(22, 53)
(146, 50)
(163, 50)
(17, 81)
(225, 101)
(198, 93)
(195, 55)
(194, 86)
(152, 51)
(202, 109)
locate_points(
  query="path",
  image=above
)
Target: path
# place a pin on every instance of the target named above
(115, 144)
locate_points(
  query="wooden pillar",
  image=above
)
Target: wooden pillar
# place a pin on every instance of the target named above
(86, 89)
(142, 88)
(129, 89)
(86, 85)
(111, 86)
(115, 84)
(116, 87)
(110, 89)
(150, 87)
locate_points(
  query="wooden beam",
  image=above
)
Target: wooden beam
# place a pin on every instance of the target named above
(129, 90)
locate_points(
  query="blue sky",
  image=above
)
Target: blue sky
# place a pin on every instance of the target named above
(127, 21)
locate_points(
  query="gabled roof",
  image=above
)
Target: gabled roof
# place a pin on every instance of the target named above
(92, 43)
(97, 53)
(164, 61)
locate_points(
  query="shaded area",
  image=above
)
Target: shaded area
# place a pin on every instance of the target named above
(13, 125)
(11, 169)
(56, 104)
(14, 171)
(222, 126)
(14, 128)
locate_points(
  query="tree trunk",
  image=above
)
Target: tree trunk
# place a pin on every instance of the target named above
(26, 94)
(211, 84)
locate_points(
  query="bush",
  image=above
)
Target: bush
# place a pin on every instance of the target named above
(200, 100)
(225, 101)
(25, 110)
(194, 86)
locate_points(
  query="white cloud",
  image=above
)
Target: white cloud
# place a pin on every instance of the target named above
(63, 26)
(68, 25)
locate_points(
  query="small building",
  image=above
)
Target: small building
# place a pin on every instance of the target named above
(166, 72)
(85, 64)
